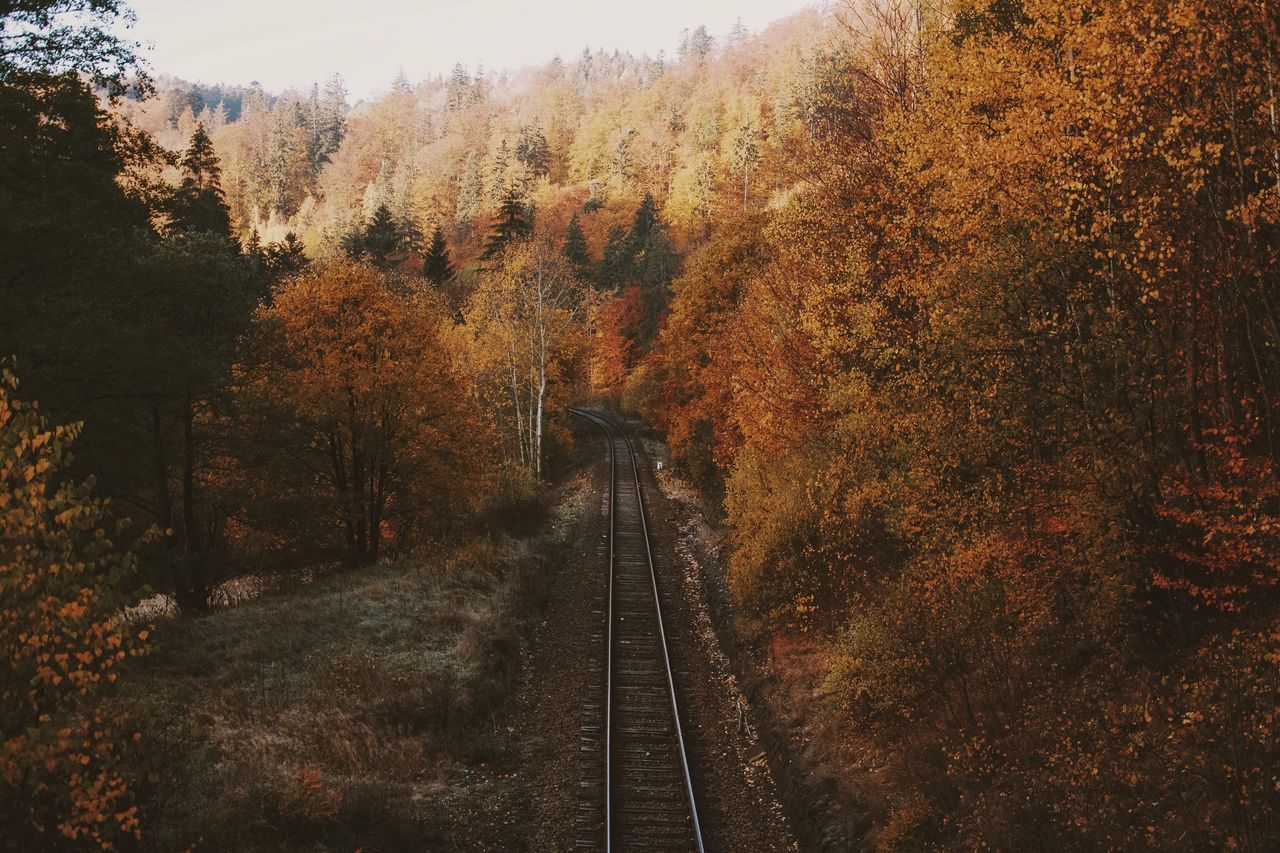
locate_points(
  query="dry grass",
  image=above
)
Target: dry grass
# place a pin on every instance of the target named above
(363, 711)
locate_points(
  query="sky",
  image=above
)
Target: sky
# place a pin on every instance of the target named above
(293, 43)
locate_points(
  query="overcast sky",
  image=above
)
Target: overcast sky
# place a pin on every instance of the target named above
(284, 43)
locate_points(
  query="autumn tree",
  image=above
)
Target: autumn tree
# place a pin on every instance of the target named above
(63, 639)
(988, 411)
(617, 330)
(746, 155)
(526, 315)
(358, 412)
(470, 192)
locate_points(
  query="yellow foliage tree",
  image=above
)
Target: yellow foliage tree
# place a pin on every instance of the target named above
(528, 333)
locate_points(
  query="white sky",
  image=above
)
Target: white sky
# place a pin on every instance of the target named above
(284, 43)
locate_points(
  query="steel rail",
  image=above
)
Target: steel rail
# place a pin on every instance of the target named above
(605, 426)
(608, 642)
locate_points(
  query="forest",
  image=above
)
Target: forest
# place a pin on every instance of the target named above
(961, 316)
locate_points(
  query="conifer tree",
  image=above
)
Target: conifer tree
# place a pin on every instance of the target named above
(498, 174)
(746, 154)
(514, 222)
(253, 246)
(199, 204)
(617, 260)
(254, 253)
(575, 245)
(700, 43)
(286, 257)
(331, 120)
(400, 85)
(289, 165)
(645, 220)
(436, 266)
(458, 89)
(381, 236)
(532, 151)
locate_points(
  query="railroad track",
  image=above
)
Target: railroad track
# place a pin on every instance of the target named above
(637, 792)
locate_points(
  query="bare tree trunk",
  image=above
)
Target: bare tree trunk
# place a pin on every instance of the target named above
(338, 460)
(535, 425)
(196, 582)
(542, 371)
(1275, 139)
(516, 405)
(358, 514)
(164, 500)
(188, 478)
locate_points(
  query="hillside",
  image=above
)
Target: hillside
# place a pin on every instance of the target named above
(947, 334)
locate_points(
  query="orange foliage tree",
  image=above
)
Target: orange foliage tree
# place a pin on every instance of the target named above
(999, 396)
(358, 410)
(617, 325)
(64, 638)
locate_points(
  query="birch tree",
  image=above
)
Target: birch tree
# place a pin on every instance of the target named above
(527, 315)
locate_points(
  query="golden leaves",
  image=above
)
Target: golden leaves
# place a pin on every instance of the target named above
(58, 564)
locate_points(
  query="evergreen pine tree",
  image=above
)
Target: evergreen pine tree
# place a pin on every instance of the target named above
(513, 223)
(331, 120)
(575, 244)
(700, 43)
(254, 253)
(617, 260)
(498, 174)
(381, 236)
(436, 266)
(352, 243)
(199, 204)
(253, 246)
(645, 220)
(400, 85)
(410, 232)
(532, 150)
(458, 89)
(286, 257)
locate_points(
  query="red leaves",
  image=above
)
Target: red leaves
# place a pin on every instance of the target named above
(1223, 545)
(617, 327)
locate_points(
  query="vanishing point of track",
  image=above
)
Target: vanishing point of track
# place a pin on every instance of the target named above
(637, 790)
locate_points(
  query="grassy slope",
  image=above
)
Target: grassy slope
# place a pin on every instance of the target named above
(362, 711)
